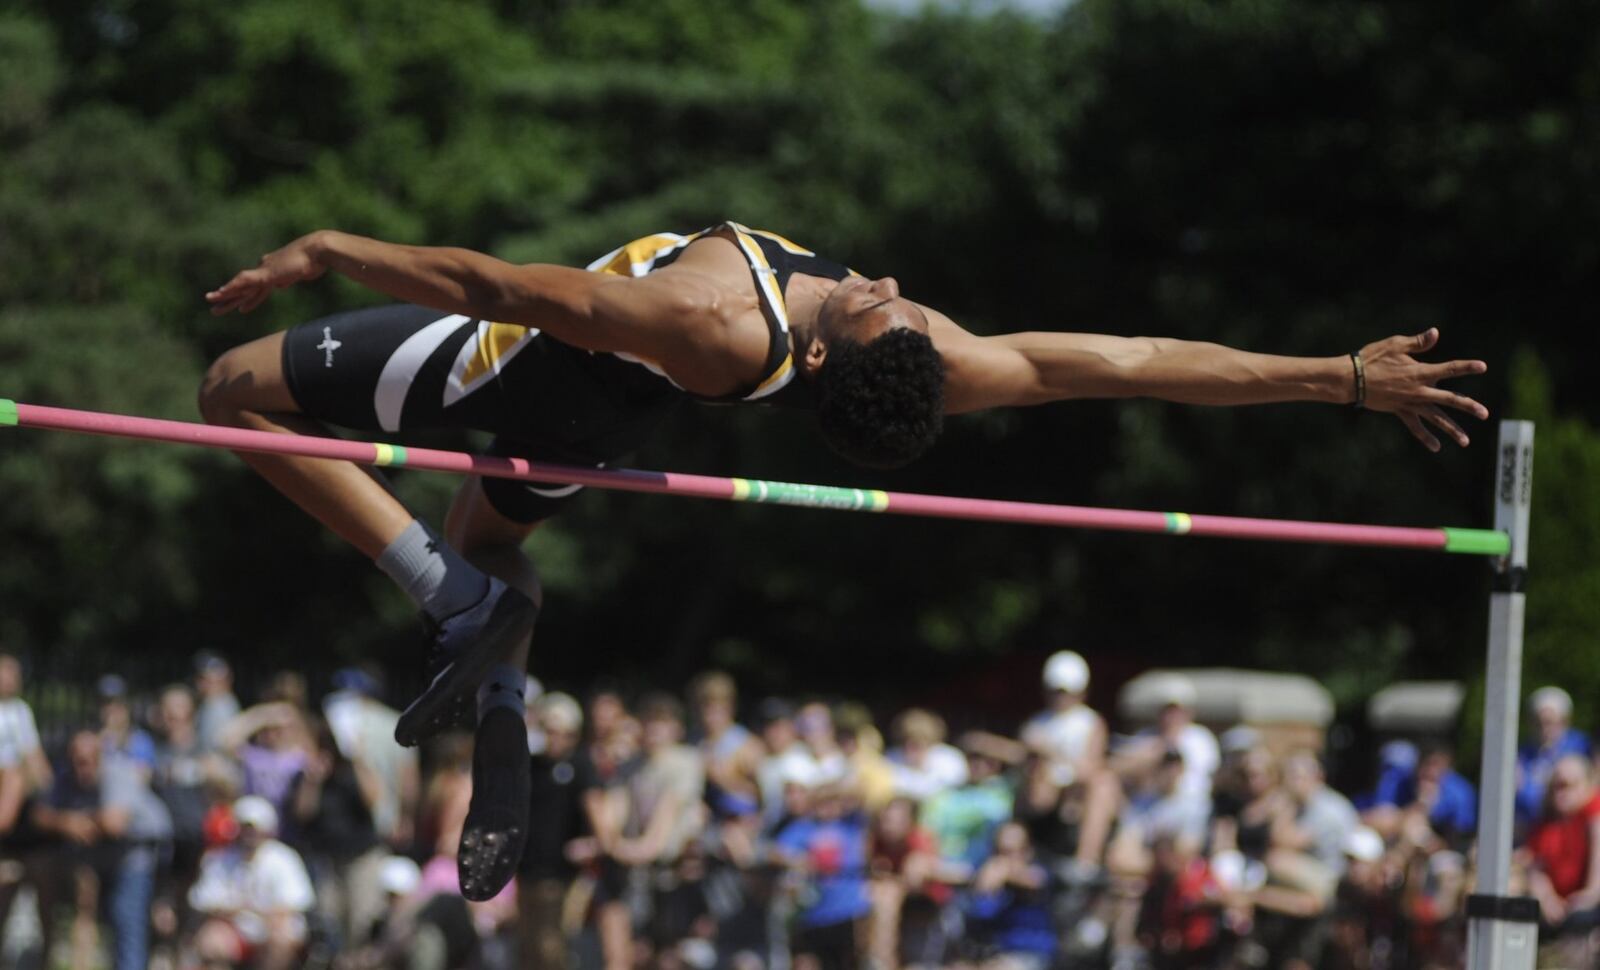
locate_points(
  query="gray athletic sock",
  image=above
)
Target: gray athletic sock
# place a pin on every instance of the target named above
(501, 687)
(434, 575)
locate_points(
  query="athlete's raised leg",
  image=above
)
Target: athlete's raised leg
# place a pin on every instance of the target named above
(287, 383)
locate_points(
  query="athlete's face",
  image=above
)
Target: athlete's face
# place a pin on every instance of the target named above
(862, 310)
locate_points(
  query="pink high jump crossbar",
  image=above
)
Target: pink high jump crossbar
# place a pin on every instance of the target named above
(1485, 542)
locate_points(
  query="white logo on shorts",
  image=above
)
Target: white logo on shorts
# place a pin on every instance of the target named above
(330, 345)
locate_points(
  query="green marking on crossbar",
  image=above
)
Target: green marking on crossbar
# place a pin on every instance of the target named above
(1178, 523)
(813, 496)
(388, 454)
(1477, 542)
(8, 413)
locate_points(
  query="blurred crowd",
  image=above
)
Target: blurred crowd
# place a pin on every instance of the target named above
(184, 830)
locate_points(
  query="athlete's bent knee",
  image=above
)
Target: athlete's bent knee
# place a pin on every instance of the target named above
(243, 381)
(217, 404)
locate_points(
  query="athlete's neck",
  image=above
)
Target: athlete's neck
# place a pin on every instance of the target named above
(803, 297)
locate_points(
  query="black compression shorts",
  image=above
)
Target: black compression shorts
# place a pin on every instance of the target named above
(406, 368)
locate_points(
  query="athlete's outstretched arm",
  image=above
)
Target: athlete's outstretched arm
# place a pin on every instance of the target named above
(1036, 368)
(588, 310)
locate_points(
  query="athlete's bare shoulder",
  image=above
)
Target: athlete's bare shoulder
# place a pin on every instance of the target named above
(719, 337)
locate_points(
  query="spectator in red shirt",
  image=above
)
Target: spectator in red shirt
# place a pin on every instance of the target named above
(901, 859)
(1564, 871)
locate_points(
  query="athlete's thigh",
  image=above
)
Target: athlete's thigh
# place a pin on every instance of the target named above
(474, 523)
(380, 368)
(251, 376)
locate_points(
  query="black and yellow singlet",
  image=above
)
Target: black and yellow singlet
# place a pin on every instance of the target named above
(404, 368)
(772, 258)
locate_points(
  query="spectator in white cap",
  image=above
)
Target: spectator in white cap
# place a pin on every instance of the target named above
(254, 894)
(1550, 710)
(399, 876)
(1067, 733)
(1175, 727)
(1068, 739)
(1364, 918)
(567, 795)
(427, 926)
(1239, 740)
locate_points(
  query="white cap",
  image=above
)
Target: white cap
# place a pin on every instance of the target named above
(1239, 739)
(1175, 689)
(802, 772)
(560, 711)
(1551, 697)
(398, 875)
(1068, 671)
(1363, 844)
(532, 690)
(1447, 861)
(256, 812)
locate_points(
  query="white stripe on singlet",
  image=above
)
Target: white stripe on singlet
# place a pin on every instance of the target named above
(394, 383)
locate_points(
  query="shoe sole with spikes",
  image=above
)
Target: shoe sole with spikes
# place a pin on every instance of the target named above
(496, 829)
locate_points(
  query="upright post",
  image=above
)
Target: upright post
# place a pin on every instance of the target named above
(1502, 930)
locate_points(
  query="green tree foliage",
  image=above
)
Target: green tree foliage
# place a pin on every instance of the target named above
(1287, 175)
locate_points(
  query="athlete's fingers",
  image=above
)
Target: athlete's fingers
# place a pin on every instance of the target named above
(255, 299)
(221, 303)
(1442, 421)
(1423, 341)
(226, 298)
(1455, 368)
(240, 282)
(1442, 398)
(1414, 425)
(236, 298)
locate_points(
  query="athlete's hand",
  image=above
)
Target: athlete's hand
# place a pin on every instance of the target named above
(294, 263)
(1401, 385)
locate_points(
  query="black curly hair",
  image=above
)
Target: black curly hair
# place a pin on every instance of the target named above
(881, 403)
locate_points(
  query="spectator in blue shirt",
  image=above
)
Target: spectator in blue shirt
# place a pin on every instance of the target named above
(1008, 908)
(1551, 711)
(120, 737)
(1397, 763)
(101, 815)
(827, 846)
(1439, 797)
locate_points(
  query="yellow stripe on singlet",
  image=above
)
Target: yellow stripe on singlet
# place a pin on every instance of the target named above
(779, 378)
(638, 257)
(792, 247)
(496, 344)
